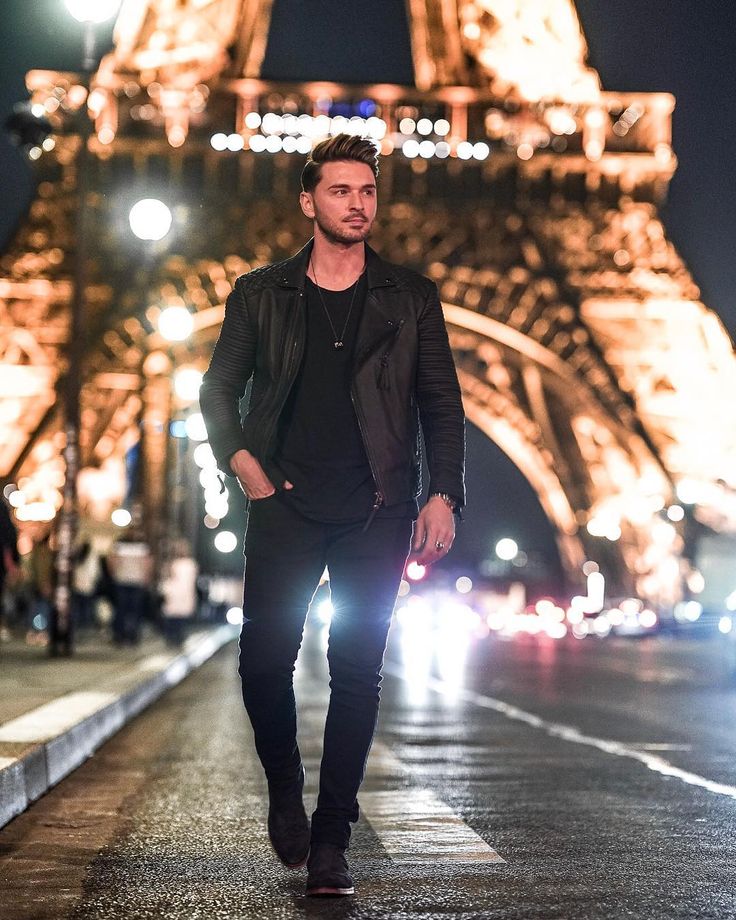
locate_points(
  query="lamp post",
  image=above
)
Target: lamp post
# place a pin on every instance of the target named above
(507, 549)
(150, 221)
(89, 13)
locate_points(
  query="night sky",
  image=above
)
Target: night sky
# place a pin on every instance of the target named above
(676, 46)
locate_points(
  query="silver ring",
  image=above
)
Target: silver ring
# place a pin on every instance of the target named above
(439, 545)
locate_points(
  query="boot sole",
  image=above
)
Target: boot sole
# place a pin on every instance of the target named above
(326, 891)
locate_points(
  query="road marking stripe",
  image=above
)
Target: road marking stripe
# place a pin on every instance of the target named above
(645, 746)
(569, 733)
(413, 824)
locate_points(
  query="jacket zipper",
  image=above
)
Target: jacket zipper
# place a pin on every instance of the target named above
(267, 443)
(378, 500)
(379, 495)
(382, 381)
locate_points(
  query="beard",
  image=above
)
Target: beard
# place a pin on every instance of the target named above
(340, 232)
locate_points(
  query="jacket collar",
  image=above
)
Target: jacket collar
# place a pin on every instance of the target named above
(294, 270)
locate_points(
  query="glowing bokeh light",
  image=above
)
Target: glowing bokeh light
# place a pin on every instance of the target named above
(464, 585)
(150, 219)
(121, 517)
(507, 549)
(92, 10)
(234, 616)
(415, 572)
(225, 541)
(203, 456)
(187, 382)
(16, 498)
(195, 427)
(175, 323)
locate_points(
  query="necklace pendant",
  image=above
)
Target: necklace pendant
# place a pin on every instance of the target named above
(337, 345)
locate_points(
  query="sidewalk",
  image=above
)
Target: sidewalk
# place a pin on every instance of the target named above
(55, 712)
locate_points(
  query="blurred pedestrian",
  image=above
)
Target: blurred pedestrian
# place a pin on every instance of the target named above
(130, 565)
(9, 564)
(350, 357)
(41, 578)
(179, 594)
(85, 581)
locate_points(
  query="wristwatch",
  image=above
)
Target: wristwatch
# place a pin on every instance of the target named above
(447, 499)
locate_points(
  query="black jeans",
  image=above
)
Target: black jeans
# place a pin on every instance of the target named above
(286, 554)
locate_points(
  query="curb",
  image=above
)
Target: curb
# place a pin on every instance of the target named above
(26, 778)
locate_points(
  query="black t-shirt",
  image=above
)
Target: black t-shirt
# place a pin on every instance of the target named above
(320, 448)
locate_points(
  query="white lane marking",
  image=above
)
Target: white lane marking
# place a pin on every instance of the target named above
(384, 763)
(569, 733)
(55, 717)
(660, 747)
(7, 762)
(414, 825)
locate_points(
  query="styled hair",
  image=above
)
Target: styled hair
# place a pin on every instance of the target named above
(339, 147)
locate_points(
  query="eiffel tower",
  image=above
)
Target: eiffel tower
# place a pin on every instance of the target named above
(508, 175)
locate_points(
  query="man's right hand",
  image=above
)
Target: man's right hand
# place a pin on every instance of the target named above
(253, 481)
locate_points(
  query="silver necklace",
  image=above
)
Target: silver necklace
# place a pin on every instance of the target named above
(339, 339)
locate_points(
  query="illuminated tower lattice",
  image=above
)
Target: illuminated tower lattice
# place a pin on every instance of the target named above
(509, 175)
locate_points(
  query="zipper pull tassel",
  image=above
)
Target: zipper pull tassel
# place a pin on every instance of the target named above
(378, 501)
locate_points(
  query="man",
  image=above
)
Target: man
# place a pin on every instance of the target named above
(348, 355)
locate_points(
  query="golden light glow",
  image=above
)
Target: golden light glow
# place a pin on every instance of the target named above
(175, 323)
(16, 499)
(187, 382)
(536, 49)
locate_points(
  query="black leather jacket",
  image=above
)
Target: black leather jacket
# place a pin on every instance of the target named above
(403, 375)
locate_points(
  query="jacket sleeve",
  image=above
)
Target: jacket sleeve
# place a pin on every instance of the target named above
(224, 382)
(440, 403)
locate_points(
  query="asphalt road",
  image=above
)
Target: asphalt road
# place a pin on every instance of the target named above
(526, 779)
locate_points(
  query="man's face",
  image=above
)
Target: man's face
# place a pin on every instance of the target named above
(343, 203)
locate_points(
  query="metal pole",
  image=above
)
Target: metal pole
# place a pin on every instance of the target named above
(62, 625)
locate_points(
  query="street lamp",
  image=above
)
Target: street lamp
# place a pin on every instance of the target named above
(91, 13)
(150, 219)
(94, 11)
(88, 12)
(507, 549)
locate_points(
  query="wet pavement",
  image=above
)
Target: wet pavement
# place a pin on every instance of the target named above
(527, 779)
